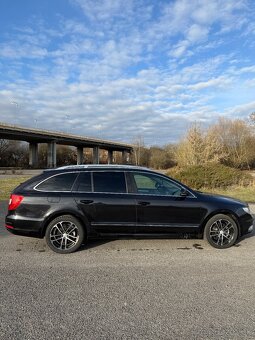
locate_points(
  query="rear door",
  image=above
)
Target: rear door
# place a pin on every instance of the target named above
(111, 209)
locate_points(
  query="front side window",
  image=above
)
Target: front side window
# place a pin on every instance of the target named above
(62, 182)
(151, 184)
(109, 182)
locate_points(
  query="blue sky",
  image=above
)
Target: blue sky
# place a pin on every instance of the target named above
(118, 69)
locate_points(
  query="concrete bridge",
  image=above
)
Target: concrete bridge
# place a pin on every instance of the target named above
(52, 138)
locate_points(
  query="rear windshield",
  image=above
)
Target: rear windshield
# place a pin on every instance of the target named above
(62, 182)
(30, 183)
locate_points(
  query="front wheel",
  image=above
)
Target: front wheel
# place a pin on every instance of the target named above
(221, 231)
(64, 234)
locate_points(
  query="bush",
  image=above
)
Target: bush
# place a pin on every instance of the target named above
(161, 158)
(210, 176)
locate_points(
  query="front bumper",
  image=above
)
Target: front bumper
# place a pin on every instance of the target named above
(246, 224)
(250, 229)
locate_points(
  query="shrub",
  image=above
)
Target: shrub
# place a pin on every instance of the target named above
(210, 176)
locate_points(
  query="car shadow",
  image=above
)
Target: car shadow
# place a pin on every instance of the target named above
(94, 243)
(247, 236)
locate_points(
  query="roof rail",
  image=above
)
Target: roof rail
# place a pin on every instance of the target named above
(87, 166)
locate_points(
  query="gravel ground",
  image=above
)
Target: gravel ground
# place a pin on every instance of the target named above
(126, 289)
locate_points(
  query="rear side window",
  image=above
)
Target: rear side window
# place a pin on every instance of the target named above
(63, 182)
(84, 182)
(109, 182)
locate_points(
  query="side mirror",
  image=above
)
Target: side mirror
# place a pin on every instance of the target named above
(184, 193)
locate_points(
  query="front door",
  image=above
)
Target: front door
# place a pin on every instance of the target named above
(161, 208)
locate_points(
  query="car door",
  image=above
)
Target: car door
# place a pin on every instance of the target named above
(111, 209)
(163, 206)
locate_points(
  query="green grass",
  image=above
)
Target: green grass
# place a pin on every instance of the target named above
(8, 184)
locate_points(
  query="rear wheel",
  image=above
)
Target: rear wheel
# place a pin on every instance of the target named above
(64, 234)
(221, 231)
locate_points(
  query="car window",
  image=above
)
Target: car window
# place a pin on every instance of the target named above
(109, 182)
(84, 182)
(155, 185)
(62, 182)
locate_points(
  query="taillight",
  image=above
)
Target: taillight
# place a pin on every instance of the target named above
(9, 226)
(15, 201)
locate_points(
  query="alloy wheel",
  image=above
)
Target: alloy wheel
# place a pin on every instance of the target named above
(222, 232)
(64, 235)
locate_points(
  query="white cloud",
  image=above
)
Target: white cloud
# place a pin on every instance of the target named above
(16, 51)
(242, 70)
(127, 68)
(220, 82)
(242, 111)
(179, 49)
(197, 33)
(105, 9)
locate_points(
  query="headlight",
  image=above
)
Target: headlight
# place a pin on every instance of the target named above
(247, 210)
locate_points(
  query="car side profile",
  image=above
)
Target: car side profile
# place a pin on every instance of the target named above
(72, 204)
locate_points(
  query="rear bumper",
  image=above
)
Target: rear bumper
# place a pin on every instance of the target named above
(25, 227)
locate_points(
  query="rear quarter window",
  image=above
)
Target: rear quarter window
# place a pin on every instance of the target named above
(83, 183)
(62, 182)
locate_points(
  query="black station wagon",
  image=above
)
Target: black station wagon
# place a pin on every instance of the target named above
(71, 204)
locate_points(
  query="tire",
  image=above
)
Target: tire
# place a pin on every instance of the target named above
(221, 231)
(64, 234)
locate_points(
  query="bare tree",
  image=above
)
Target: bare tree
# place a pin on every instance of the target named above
(190, 149)
(4, 144)
(237, 141)
(252, 118)
(13, 153)
(141, 153)
(199, 147)
(162, 157)
(66, 155)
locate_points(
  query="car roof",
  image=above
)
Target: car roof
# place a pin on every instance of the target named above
(98, 167)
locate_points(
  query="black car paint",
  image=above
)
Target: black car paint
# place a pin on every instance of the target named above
(121, 213)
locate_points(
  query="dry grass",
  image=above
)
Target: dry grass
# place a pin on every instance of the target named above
(246, 194)
(8, 184)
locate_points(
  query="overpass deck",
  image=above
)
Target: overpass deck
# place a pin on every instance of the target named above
(36, 136)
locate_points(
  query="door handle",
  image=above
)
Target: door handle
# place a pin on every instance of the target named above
(86, 201)
(143, 203)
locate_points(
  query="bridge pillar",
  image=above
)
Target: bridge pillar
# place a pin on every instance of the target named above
(33, 155)
(79, 155)
(52, 155)
(110, 156)
(125, 157)
(96, 155)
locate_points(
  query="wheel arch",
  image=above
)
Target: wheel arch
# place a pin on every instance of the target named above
(214, 213)
(82, 219)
